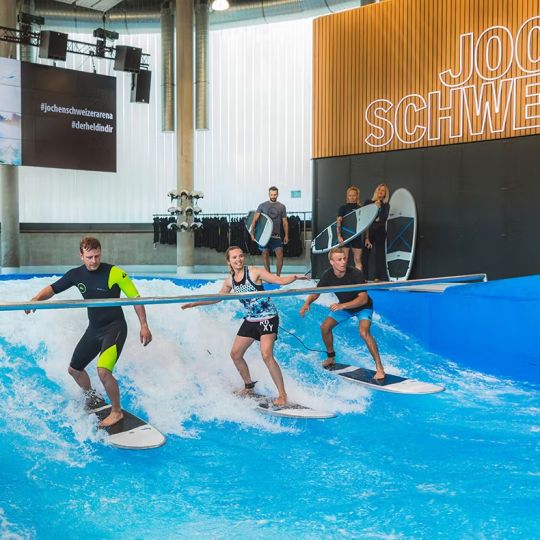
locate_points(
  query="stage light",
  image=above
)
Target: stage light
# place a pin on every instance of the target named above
(28, 18)
(220, 5)
(106, 34)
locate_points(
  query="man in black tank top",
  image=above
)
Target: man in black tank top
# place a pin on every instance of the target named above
(107, 329)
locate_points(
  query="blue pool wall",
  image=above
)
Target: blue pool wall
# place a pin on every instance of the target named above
(491, 327)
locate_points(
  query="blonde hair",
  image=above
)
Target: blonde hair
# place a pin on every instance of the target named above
(386, 197)
(356, 190)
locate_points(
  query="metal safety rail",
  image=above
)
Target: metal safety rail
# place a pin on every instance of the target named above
(155, 300)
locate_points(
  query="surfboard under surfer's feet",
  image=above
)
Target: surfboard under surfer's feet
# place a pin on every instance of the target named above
(113, 418)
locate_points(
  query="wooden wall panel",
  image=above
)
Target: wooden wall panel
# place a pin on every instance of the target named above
(386, 75)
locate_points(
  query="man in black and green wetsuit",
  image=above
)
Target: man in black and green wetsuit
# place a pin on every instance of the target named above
(107, 329)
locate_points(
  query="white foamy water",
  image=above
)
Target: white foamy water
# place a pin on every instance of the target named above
(185, 374)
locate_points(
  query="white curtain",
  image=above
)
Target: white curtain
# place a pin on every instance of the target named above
(260, 135)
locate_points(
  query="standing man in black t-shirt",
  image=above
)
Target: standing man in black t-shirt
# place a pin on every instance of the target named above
(107, 329)
(351, 304)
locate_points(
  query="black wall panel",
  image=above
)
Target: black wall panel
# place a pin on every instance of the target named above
(477, 203)
(329, 194)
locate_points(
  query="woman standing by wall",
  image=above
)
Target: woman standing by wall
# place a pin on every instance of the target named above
(353, 202)
(375, 236)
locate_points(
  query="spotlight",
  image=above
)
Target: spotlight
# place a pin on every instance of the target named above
(189, 210)
(175, 210)
(196, 225)
(184, 226)
(220, 5)
(105, 34)
(173, 194)
(101, 45)
(28, 18)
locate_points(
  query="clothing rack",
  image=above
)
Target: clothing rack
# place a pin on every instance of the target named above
(220, 230)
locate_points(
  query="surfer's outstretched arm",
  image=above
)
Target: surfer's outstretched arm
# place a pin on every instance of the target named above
(261, 274)
(225, 289)
(44, 294)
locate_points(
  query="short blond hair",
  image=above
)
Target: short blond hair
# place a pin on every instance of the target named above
(356, 190)
(335, 250)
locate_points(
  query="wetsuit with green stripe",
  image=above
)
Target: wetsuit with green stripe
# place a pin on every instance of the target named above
(107, 329)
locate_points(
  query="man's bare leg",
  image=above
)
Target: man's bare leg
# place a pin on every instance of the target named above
(279, 260)
(81, 378)
(111, 387)
(266, 259)
(328, 339)
(364, 329)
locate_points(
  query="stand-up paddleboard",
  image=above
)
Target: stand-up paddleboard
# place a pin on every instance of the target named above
(131, 432)
(353, 224)
(263, 228)
(400, 235)
(391, 383)
(291, 410)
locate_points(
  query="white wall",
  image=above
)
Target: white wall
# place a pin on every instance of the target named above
(260, 120)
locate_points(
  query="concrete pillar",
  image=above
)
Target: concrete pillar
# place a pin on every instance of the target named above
(184, 121)
(9, 175)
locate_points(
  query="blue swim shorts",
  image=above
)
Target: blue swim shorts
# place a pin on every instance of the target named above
(275, 242)
(344, 315)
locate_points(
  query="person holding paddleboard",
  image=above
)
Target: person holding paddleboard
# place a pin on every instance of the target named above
(107, 329)
(353, 304)
(277, 212)
(375, 236)
(353, 202)
(261, 321)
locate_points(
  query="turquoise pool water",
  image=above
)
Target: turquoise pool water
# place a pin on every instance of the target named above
(461, 464)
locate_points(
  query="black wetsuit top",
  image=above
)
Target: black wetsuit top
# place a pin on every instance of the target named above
(347, 209)
(352, 277)
(105, 282)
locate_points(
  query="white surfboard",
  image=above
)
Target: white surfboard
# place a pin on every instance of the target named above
(391, 383)
(263, 228)
(353, 224)
(400, 235)
(291, 410)
(131, 432)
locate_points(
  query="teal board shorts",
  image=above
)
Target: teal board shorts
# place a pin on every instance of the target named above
(344, 315)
